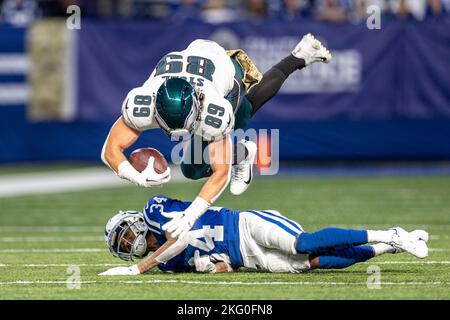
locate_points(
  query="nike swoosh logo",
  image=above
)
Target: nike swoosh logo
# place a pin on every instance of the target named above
(250, 176)
(126, 105)
(229, 120)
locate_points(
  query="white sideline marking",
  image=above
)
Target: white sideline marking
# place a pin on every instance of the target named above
(51, 239)
(65, 250)
(227, 283)
(63, 181)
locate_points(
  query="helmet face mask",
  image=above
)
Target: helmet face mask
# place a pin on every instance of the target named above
(126, 234)
(177, 108)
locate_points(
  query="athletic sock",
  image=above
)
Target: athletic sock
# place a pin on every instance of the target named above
(382, 248)
(272, 81)
(379, 236)
(329, 239)
(289, 64)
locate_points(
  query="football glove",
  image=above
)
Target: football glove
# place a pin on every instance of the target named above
(203, 263)
(121, 271)
(182, 222)
(147, 178)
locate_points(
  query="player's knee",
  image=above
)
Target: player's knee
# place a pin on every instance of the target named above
(189, 171)
(194, 172)
(305, 243)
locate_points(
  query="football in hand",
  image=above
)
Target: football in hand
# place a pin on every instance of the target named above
(139, 159)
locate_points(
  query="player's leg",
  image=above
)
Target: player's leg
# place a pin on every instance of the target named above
(269, 230)
(336, 239)
(244, 152)
(193, 165)
(339, 259)
(307, 51)
(260, 90)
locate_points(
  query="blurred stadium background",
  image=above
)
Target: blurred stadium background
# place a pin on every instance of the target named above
(384, 97)
(381, 108)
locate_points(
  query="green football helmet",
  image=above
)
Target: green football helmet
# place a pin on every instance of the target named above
(177, 107)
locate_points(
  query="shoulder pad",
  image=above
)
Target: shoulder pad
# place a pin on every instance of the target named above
(217, 119)
(138, 109)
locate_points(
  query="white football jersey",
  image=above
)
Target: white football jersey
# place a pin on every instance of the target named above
(207, 67)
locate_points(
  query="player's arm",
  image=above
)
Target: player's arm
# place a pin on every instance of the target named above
(208, 264)
(120, 138)
(220, 157)
(171, 248)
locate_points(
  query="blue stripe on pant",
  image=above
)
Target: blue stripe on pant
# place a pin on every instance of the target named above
(275, 222)
(292, 223)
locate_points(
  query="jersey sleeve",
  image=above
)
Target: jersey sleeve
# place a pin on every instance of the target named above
(138, 109)
(176, 264)
(217, 119)
(154, 219)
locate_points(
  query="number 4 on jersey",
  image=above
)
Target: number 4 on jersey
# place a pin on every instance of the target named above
(209, 234)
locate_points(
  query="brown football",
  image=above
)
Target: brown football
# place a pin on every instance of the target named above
(139, 159)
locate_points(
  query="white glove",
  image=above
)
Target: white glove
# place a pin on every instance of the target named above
(121, 271)
(181, 223)
(147, 178)
(203, 263)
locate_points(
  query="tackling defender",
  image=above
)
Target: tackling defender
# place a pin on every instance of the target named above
(207, 92)
(223, 240)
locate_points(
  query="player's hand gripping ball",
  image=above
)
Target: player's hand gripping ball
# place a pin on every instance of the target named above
(152, 165)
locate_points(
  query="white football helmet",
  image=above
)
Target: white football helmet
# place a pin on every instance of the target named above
(125, 235)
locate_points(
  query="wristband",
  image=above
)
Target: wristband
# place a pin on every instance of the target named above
(126, 171)
(213, 270)
(197, 208)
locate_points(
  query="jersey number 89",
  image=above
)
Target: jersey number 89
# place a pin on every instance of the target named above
(143, 101)
(199, 66)
(214, 111)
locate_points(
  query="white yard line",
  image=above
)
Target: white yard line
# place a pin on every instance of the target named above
(62, 250)
(52, 229)
(58, 265)
(407, 262)
(51, 239)
(228, 283)
(64, 181)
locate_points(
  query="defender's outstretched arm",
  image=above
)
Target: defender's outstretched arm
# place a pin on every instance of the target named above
(171, 248)
(220, 153)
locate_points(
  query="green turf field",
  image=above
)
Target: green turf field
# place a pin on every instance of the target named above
(40, 236)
